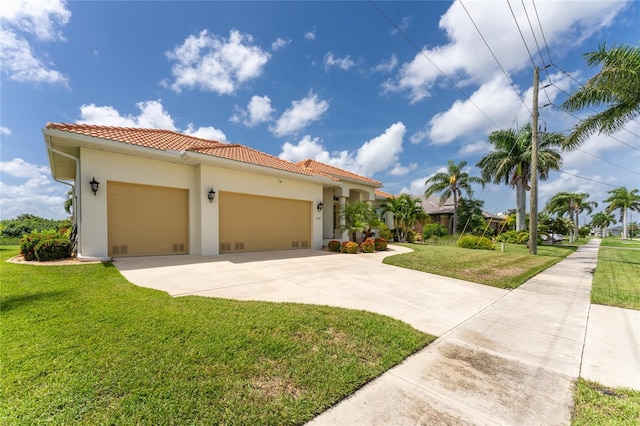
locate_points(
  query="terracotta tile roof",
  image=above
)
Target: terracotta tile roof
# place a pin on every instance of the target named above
(383, 194)
(334, 171)
(150, 138)
(168, 140)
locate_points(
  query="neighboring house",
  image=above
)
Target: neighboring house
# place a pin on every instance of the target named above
(162, 192)
(443, 214)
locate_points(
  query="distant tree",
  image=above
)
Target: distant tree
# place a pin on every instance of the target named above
(68, 202)
(616, 87)
(27, 223)
(451, 184)
(510, 162)
(471, 217)
(602, 220)
(572, 203)
(623, 200)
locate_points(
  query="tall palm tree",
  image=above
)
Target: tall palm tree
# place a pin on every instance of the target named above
(602, 220)
(616, 87)
(406, 210)
(623, 199)
(572, 203)
(510, 162)
(451, 184)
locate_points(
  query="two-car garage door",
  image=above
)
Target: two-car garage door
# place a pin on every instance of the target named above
(146, 220)
(257, 223)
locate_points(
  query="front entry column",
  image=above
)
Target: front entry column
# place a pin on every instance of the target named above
(344, 233)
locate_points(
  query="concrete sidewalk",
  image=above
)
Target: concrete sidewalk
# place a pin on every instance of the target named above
(512, 363)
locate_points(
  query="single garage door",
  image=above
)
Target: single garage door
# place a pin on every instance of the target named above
(257, 223)
(145, 220)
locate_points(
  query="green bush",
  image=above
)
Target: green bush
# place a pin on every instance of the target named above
(475, 242)
(433, 230)
(510, 237)
(349, 247)
(380, 244)
(523, 237)
(46, 245)
(385, 233)
(28, 223)
(411, 236)
(334, 245)
(367, 246)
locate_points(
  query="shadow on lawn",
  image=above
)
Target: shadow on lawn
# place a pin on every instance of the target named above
(15, 302)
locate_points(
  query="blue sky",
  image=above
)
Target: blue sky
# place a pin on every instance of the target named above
(390, 90)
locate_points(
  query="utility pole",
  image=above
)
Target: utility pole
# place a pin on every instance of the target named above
(533, 203)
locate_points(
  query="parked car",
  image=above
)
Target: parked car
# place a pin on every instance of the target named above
(552, 238)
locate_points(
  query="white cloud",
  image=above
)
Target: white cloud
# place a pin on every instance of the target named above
(207, 132)
(331, 61)
(279, 43)
(21, 21)
(400, 170)
(4, 130)
(216, 64)
(302, 113)
(259, 110)
(381, 152)
(416, 187)
(152, 116)
(377, 154)
(467, 57)
(404, 25)
(387, 66)
(34, 192)
(475, 148)
(310, 35)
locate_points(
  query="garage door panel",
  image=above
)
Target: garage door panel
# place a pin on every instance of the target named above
(146, 220)
(258, 223)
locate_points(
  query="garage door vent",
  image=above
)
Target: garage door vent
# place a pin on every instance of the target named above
(116, 250)
(295, 244)
(304, 244)
(239, 246)
(225, 247)
(178, 248)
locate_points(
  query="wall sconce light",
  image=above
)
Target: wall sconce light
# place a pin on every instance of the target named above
(94, 185)
(211, 195)
(320, 206)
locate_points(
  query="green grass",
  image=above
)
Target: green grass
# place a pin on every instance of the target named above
(506, 269)
(599, 405)
(619, 242)
(80, 344)
(616, 280)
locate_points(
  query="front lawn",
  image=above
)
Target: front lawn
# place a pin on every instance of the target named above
(619, 242)
(601, 405)
(616, 280)
(506, 269)
(80, 344)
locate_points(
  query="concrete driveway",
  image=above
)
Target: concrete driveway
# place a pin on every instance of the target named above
(429, 303)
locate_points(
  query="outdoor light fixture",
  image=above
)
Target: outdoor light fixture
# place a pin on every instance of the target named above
(320, 206)
(94, 185)
(211, 195)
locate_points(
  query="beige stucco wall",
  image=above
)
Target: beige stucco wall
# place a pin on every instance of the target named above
(203, 215)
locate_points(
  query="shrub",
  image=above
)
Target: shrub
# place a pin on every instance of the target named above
(510, 237)
(385, 233)
(475, 242)
(334, 245)
(367, 246)
(433, 230)
(349, 247)
(45, 245)
(523, 237)
(380, 244)
(411, 236)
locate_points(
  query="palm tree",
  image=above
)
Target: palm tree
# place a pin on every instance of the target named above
(602, 220)
(451, 184)
(572, 203)
(359, 216)
(616, 87)
(624, 200)
(406, 210)
(510, 162)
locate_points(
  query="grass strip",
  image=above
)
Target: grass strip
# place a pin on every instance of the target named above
(616, 280)
(618, 242)
(81, 345)
(506, 269)
(596, 404)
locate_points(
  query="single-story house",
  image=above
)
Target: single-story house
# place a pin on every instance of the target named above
(443, 214)
(141, 192)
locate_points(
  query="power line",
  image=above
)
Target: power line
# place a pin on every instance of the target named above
(521, 35)
(592, 180)
(607, 161)
(546, 45)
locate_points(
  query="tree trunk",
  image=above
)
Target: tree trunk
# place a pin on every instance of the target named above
(624, 223)
(521, 206)
(455, 212)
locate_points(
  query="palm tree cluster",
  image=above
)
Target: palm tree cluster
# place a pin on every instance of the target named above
(407, 211)
(622, 199)
(572, 203)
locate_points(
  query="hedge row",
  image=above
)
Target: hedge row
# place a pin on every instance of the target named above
(367, 246)
(46, 245)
